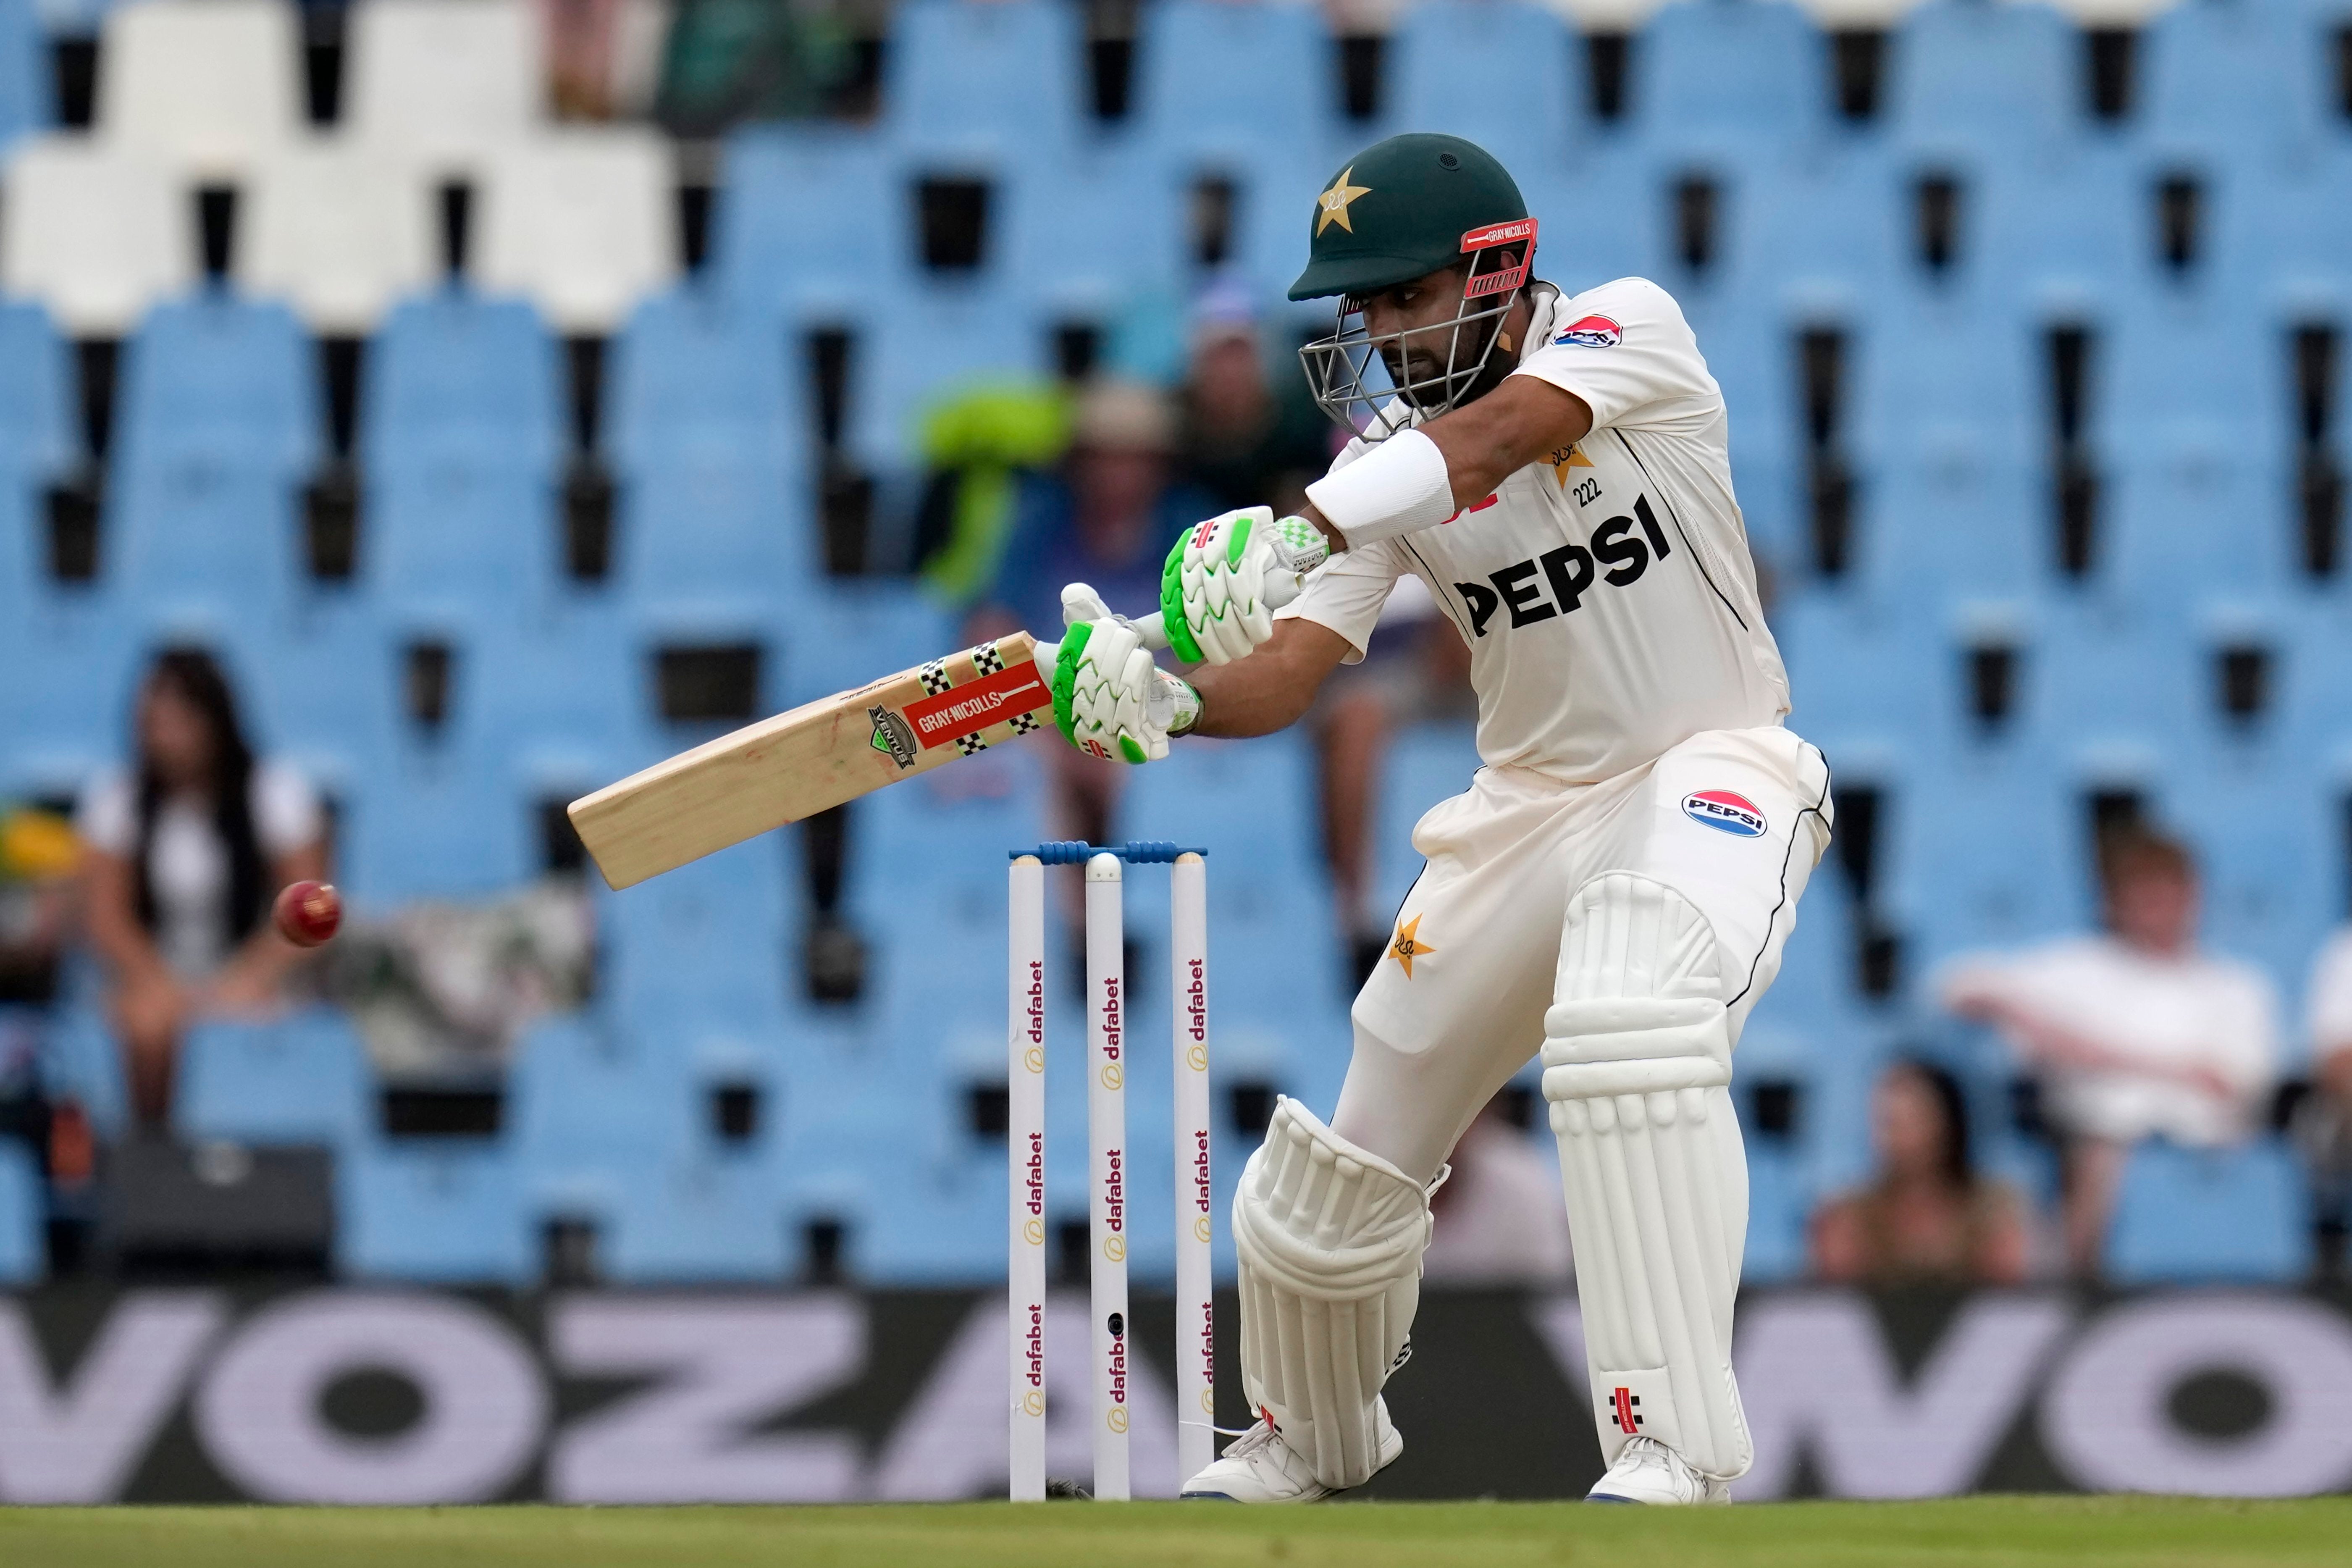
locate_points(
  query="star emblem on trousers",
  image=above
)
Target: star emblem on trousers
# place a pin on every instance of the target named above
(1332, 204)
(1409, 946)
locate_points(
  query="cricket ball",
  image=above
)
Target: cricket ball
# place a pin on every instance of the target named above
(309, 912)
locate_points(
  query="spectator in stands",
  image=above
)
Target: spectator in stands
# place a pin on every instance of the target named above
(1252, 436)
(1926, 1217)
(2136, 1034)
(1105, 519)
(2323, 1123)
(1498, 1219)
(185, 851)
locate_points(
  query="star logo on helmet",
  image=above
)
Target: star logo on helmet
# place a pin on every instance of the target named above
(1331, 206)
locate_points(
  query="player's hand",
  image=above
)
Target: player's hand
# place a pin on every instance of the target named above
(1109, 698)
(1213, 590)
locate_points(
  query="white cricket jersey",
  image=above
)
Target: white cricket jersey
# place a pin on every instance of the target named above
(1605, 592)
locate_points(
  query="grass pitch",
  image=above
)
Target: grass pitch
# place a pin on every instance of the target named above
(2081, 1533)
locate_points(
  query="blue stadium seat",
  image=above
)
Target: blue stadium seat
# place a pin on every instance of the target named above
(300, 1079)
(1779, 1208)
(1730, 83)
(701, 950)
(1507, 73)
(1990, 81)
(445, 821)
(1425, 763)
(24, 1251)
(219, 423)
(458, 374)
(927, 885)
(984, 86)
(709, 438)
(1279, 990)
(946, 337)
(25, 75)
(437, 1210)
(1223, 85)
(809, 219)
(37, 435)
(589, 1110)
(2211, 1216)
(2227, 81)
(81, 1060)
(700, 1216)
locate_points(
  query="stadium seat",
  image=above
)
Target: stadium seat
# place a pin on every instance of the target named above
(946, 337)
(984, 87)
(582, 223)
(206, 86)
(1425, 763)
(95, 233)
(1779, 1207)
(2183, 1217)
(590, 1111)
(25, 95)
(217, 427)
(1507, 73)
(443, 81)
(808, 219)
(700, 1216)
(435, 1210)
(701, 950)
(708, 435)
(1729, 82)
(2230, 81)
(339, 231)
(1222, 84)
(1990, 81)
(299, 1078)
(23, 1249)
(38, 438)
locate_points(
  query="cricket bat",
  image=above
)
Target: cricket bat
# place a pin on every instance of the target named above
(816, 756)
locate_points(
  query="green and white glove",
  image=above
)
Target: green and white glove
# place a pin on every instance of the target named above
(1109, 698)
(1213, 591)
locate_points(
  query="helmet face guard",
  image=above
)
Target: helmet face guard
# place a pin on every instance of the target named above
(1367, 383)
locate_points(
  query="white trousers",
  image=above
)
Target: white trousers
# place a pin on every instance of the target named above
(1733, 820)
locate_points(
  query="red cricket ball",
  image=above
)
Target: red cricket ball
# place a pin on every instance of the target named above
(309, 912)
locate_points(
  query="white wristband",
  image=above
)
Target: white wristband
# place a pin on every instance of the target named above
(1399, 487)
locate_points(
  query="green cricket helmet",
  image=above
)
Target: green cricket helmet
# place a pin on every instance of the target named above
(1400, 210)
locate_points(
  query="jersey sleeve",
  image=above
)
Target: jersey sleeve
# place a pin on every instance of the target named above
(2331, 997)
(1347, 592)
(1625, 350)
(106, 817)
(286, 810)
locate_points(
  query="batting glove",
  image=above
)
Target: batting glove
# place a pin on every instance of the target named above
(1109, 698)
(1212, 589)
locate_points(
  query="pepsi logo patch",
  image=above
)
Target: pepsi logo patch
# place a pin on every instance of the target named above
(1592, 332)
(1725, 812)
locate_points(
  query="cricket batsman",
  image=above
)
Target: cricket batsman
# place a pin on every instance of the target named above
(1612, 890)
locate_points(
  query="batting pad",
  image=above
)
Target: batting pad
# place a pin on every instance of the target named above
(1637, 1064)
(1329, 1238)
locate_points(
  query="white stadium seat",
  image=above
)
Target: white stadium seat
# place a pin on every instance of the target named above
(94, 232)
(583, 222)
(206, 86)
(339, 231)
(445, 82)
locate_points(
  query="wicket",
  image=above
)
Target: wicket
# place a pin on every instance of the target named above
(1106, 1067)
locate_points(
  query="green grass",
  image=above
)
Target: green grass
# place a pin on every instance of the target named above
(2145, 1533)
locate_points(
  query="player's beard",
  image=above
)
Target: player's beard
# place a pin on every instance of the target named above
(1416, 371)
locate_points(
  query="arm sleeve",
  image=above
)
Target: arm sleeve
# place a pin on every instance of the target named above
(2331, 998)
(1625, 350)
(286, 814)
(1346, 594)
(106, 816)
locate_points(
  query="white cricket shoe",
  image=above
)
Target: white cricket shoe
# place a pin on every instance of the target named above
(1259, 1466)
(1648, 1471)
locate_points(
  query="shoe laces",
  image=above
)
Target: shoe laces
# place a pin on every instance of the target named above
(1261, 1435)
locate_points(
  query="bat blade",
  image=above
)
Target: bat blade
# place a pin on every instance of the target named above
(816, 756)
